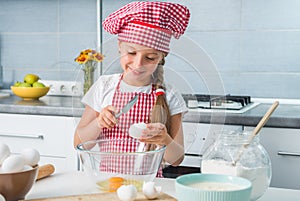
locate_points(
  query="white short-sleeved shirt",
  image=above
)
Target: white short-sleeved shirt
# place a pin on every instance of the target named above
(101, 94)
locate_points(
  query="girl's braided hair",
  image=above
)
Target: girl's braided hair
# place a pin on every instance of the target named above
(160, 112)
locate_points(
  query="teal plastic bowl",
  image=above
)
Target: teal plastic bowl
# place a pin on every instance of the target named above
(184, 192)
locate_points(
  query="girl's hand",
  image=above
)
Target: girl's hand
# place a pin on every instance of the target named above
(106, 118)
(156, 133)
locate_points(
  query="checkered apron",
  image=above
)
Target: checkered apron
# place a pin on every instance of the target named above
(140, 112)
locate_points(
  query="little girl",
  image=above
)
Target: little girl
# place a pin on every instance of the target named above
(144, 32)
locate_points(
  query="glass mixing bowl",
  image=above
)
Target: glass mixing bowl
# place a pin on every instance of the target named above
(110, 165)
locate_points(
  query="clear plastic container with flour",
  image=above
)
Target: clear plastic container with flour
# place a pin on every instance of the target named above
(253, 161)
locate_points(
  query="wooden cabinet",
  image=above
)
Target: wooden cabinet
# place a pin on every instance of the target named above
(283, 146)
(52, 136)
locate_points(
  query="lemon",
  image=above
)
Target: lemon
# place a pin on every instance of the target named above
(31, 78)
(24, 84)
(38, 84)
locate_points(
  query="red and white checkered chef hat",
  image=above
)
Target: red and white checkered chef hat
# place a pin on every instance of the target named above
(148, 23)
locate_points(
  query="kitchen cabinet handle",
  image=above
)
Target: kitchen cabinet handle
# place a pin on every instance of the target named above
(39, 136)
(285, 153)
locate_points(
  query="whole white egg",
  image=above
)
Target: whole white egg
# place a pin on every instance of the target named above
(13, 163)
(4, 152)
(31, 156)
(127, 192)
(136, 129)
(27, 167)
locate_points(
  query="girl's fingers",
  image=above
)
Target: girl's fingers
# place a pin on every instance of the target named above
(154, 129)
(155, 133)
(113, 110)
(156, 126)
(106, 117)
(102, 121)
(107, 122)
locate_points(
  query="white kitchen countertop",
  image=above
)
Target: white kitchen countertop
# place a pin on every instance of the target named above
(77, 183)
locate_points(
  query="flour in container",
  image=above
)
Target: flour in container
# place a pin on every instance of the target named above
(258, 175)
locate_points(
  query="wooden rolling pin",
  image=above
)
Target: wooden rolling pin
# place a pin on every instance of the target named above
(45, 171)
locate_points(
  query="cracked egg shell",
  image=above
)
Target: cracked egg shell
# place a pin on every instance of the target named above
(151, 191)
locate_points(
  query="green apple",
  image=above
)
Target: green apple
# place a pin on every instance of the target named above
(31, 78)
(38, 84)
(24, 84)
(17, 83)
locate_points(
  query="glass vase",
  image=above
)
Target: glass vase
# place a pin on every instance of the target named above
(88, 75)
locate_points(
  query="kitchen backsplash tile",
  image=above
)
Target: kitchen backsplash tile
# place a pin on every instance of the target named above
(270, 14)
(186, 82)
(204, 83)
(271, 84)
(222, 47)
(27, 51)
(232, 82)
(28, 16)
(77, 16)
(45, 37)
(51, 74)
(111, 6)
(270, 51)
(213, 15)
(72, 43)
(176, 63)
(240, 46)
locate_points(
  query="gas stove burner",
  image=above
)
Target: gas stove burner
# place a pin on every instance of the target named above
(228, 102)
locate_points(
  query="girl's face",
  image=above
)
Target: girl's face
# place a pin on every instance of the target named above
(138, 62)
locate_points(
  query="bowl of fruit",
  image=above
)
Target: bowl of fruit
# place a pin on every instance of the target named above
(30, 88)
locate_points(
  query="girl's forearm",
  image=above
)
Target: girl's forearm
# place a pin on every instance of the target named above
(174, 153)
(88, 132)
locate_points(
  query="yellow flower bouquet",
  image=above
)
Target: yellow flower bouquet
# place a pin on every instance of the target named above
(88, 59)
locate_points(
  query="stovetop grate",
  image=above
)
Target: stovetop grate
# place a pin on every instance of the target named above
(230, 102)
